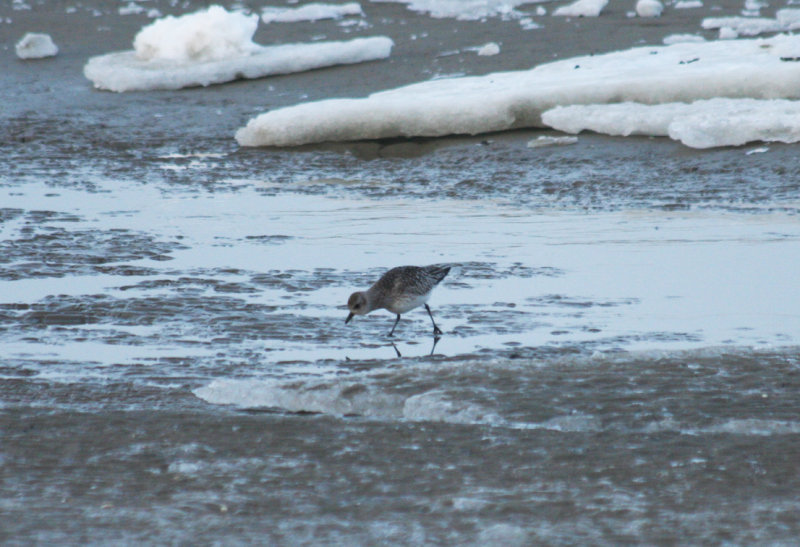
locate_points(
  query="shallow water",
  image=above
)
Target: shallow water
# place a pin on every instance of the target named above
(620, 359)
(154, 272)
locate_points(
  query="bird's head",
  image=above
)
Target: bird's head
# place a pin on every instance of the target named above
(357, 304)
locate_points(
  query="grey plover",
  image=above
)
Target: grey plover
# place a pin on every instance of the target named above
(399, 290)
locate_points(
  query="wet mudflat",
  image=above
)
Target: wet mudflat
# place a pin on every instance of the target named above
(620, 354)
(177, 367)
(649, 449)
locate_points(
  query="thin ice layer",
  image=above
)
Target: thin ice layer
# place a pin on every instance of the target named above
(702, 124)
(124, 71)
(684, 72)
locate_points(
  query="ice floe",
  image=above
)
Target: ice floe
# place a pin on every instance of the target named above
(649, 8)
(487, 50)
(465, 10)
(35, 45)
(310, 12)
(701, 124)
(682, 38)
(546, 140)
(132, 8)
(215, 46)
(785, 20)
(683, 72)
(582, 8)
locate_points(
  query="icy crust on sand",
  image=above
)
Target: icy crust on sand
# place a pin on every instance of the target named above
(684, 72)
(702, 124)
(215, 46)
(123, 71)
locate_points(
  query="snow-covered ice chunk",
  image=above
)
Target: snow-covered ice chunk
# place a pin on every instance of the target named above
(700, 124)
(582, 8)
(683, 72)
(206, 35)
(487, 50)
(310, 12)
(688, 4)
(35, 45)
(649, 8)
(215, 46)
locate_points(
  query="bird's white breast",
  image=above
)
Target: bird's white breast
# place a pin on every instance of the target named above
(404, 304)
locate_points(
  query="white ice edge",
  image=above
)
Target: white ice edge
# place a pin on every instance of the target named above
(123, 71)
(683, 72)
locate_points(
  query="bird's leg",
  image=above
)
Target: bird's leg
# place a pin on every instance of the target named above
(435, 341)
(396, 321)
(436, 330)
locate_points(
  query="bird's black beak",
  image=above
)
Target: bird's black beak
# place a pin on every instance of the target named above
(349, 317)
